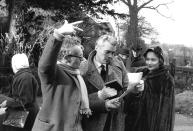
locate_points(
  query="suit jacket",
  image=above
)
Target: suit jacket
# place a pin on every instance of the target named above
(61, 95)
(102, 119)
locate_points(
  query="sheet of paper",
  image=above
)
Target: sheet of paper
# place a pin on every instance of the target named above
(134, 79)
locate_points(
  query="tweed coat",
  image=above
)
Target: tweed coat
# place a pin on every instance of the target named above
(61, 95)
(103, 120)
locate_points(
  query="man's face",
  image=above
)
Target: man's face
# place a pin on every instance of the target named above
(105, 52)
(76, 59)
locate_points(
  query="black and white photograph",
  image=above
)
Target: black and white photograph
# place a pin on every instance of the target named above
(96, 65)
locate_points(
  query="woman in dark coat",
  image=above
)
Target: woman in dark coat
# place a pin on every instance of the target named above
(24, 90)
(157, 101)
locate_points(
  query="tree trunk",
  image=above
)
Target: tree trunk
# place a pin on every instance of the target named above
(133, 27)
(11, 14)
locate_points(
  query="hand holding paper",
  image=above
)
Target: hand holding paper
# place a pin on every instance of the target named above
(135, 83)
(140, 86)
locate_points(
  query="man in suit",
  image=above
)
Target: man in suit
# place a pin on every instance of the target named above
(107, 114)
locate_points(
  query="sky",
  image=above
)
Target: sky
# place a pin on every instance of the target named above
(178, 29)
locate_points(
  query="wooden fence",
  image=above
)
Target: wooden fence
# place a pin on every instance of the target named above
(184, 77)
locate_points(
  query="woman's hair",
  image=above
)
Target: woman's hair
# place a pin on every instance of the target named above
(111, 39)
(19, 61)
(68, 43)
(157, 51)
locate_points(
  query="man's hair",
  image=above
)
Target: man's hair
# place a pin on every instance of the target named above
(109, 38)
(67, 44)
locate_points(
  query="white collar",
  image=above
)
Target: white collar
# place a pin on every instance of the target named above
(98, 64)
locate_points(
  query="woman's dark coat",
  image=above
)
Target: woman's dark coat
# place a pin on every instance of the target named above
(24, 89)
(156, 110)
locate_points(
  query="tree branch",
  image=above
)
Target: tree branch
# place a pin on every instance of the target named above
(144, 4)
(156, 8)
(129, 2)
(135, 2)
(124, 1)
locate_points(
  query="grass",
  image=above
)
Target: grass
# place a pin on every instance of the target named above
(184, 103)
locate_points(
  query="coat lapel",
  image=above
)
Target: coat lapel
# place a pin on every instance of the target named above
(114, 73)
(94, 77)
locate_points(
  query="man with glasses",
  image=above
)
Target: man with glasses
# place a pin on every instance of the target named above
(103, 66)
(64, 92)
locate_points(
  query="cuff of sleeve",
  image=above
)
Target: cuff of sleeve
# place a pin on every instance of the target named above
(58, 35)
(108, 109)
(100, 95)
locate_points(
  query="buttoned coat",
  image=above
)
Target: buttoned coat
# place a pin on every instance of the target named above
(101, 119)
(61, 95)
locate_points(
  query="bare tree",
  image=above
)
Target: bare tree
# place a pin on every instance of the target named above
(135, 6)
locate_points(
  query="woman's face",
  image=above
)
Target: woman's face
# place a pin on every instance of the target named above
(152, 61)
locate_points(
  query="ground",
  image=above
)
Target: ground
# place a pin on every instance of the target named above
(184, 111)
(184, 104)
(183, 123)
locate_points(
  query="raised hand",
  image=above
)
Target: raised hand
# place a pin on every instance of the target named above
(69, 28)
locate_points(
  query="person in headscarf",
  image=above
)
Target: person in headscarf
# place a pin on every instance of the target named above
(65, 97)
(156, 111)
(23, 92)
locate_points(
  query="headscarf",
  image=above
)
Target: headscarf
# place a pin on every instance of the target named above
(19, 61)
(158, 51)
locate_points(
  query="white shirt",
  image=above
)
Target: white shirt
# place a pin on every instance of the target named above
(98, 65)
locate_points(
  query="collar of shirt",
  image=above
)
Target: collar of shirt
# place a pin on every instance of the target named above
(98, 65)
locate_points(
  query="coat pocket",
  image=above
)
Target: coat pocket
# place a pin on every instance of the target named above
(42, 125)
